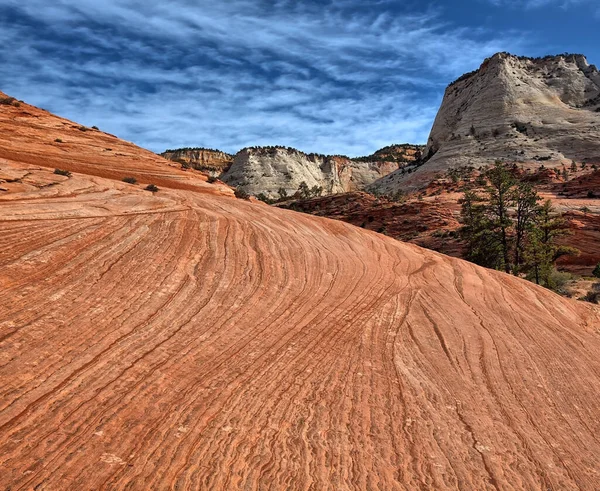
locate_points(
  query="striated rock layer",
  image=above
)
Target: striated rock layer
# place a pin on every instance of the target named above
(33, 135)
(427, 222)
(214, 162)
(517, 109)
(187, 340)
(267, 170)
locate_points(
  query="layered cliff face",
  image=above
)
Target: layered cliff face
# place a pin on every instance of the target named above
(515, 109)
(268, 169)
(213, 162)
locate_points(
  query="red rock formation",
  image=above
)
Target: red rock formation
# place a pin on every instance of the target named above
(430, 219)
(430, 222)
(185, 339)
(34, 136)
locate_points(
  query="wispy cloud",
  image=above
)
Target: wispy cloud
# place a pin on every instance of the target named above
(534, 4)
(332, 77)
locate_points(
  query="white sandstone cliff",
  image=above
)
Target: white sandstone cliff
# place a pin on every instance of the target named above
(525, 110)
(267, 169)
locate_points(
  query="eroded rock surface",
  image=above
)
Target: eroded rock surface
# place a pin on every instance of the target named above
(213, 162)
(185, 339)
(267, 170)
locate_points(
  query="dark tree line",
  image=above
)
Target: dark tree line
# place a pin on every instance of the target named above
(304, 192)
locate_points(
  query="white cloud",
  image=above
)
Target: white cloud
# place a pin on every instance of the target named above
(325, 77)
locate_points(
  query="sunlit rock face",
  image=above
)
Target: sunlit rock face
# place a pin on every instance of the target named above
(268, 169)
(213, 162)
(184, 339)
(525, 110)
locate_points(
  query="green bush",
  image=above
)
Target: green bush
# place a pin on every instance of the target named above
(151, 187)
(593, 296)
(130, 180)
(241, 193)
(58, 140)
(596, 271)
(211, 179)
(282, 194)
(62, 172)
(265, 199)
(558, 280)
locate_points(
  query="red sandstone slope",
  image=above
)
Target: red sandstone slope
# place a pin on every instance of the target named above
(34, 136)
(431, 219)
(189, 340)
(429, 222)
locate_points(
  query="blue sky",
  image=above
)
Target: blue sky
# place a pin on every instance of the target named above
(330, 76)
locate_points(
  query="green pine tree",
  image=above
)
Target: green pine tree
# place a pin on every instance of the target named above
(542, 249)
(502, 196)
(526, 211)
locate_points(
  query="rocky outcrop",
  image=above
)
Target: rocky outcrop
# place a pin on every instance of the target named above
(525, 110)
(213, 162)
(184, 339)
(34, 136)
(405, 153)
(268, 169)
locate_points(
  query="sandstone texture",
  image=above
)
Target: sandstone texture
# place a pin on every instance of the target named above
(427, 222)
(185, 339)
(532, 111)
(431, 217)
(32, 135)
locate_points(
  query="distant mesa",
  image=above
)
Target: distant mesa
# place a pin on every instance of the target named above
(269, 169)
